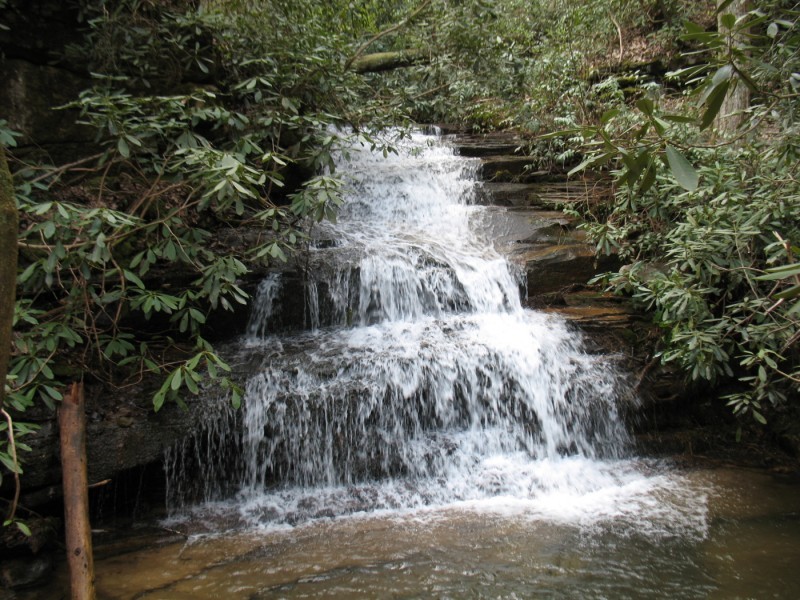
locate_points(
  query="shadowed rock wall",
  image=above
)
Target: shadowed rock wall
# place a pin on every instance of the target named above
(38, 77)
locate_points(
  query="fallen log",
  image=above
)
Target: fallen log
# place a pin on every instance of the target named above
(363, 47)
(386, 61)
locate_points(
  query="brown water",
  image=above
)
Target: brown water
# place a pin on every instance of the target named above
(743, 542)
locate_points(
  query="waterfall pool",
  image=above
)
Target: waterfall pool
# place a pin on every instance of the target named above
(741, 540)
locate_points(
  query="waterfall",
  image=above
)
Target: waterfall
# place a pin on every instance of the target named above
(264, 307)
(422, 381)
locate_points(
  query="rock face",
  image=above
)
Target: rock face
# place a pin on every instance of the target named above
(29, 98)
(122, 432)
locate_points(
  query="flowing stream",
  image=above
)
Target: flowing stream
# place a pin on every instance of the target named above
(422, 381)
(426, 436)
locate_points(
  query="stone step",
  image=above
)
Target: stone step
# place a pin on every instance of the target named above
(551, 268)
(513, 230)
(593, 317)
(543, 194)
(484, 145)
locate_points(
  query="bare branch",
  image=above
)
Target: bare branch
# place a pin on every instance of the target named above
(12, 447)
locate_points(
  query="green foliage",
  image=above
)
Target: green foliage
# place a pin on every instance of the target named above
(697, 261)
(96, 246)
(711, 227)
(7, 136)
(522, 63)
(151, 44)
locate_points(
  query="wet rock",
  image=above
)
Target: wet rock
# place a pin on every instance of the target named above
(552, 268)
(25, 573)
(27, 560)
(512, 231)
(478, 145)
(112, 448)
(553, 194)
(611, 326)
(127, 433)
(528, 225)
(506, 194)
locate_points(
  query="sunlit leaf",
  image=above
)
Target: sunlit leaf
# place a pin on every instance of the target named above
(714, 103)
(23, 528)
(123, 148)
(772, 30)
(781, 272)
(728, 20)
(683, 171)
(792, 292)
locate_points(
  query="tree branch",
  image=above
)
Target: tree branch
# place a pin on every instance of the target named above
(619, 34)
(12, 447)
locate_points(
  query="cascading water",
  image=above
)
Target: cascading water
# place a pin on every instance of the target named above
(423, 381)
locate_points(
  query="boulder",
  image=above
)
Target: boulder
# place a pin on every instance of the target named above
(554, 267)
(511, 169)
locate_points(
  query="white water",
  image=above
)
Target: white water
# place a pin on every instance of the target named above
(423, 384)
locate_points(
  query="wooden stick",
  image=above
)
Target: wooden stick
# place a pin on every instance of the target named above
(76, 494)
(9, 231)
(12, 448)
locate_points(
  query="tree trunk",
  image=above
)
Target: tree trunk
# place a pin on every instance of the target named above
(76, 494)
(733, 113)
(9, 228)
